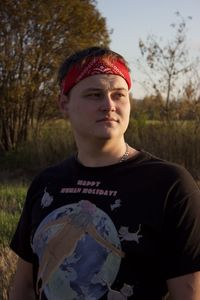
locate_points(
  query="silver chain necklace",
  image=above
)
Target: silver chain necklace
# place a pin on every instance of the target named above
(123, 158)
(125, 155)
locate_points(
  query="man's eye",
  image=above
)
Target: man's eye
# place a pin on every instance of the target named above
(119, 95)
(93, 95)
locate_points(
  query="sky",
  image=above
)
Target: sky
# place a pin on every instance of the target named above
(131, 20)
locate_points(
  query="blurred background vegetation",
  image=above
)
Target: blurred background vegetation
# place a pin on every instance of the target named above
(35, 37)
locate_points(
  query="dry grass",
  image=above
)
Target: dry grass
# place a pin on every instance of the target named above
(8, 262)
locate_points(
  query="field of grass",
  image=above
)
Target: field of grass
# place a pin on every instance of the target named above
(178, 142)
(11, 202)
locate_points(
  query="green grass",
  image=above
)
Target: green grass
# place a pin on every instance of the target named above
(11, 203)
(8, 223)
(12, 197)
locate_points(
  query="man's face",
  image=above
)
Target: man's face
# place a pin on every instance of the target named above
(98, 107)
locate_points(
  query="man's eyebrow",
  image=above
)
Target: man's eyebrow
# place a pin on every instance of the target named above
(103, 89)
(93, 89)
(120, 89)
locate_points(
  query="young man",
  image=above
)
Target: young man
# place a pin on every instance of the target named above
(111, 222)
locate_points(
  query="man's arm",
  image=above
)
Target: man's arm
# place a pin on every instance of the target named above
(23, 282)
(185, 287)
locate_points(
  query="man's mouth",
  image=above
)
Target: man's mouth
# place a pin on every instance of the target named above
(108, 120)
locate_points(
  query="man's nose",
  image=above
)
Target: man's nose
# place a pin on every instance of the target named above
(107, 103)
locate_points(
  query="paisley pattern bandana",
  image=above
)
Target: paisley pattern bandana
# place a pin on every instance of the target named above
(92, 67)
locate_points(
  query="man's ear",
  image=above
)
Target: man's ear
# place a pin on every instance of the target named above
(63, 101)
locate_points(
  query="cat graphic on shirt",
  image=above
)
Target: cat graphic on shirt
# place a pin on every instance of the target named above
(125, 292)
(126, 235)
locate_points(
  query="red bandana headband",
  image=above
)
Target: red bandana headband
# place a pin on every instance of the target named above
(93, 67)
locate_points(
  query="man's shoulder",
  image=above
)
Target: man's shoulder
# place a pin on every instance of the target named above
(163, 166)
(59, 167)
(53, 173)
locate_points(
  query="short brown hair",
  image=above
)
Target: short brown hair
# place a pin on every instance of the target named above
(82, 55)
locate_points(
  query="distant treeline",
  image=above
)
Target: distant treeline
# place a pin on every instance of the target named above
(154, 108)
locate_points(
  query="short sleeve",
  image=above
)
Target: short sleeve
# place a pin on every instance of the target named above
(181, 228)
(20, 242)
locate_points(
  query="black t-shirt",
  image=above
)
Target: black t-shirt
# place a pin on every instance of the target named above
(115, 231)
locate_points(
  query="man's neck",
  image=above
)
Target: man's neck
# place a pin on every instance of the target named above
(104, 154)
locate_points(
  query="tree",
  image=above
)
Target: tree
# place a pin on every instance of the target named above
(151, 107)
(166, 63)
(35, 37)
(191, 99)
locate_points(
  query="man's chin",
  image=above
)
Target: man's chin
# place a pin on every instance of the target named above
(107, 135)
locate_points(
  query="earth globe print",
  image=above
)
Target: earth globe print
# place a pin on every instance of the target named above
(91, 266)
